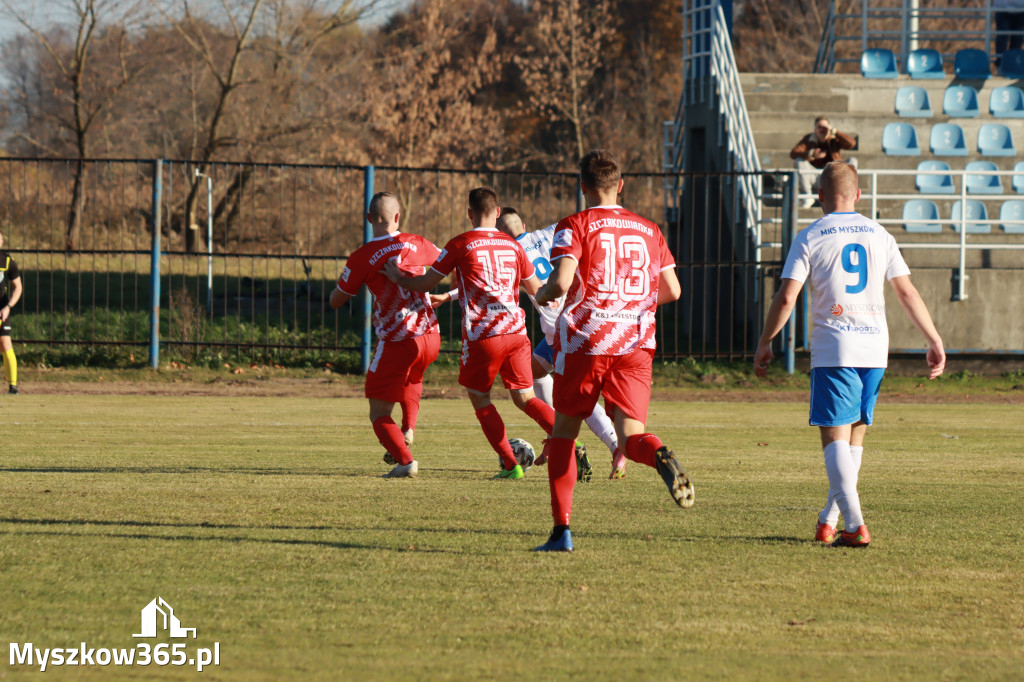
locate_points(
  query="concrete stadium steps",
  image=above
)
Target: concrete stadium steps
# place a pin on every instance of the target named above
(782, 108)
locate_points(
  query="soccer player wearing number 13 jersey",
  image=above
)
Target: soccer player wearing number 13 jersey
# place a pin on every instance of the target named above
(846, 258)
(615, 268)
(489, 267)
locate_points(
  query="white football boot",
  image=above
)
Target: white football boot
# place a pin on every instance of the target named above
(404, 470)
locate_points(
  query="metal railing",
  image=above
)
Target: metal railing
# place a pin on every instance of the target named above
(887, 204)
(710, 78)
(734, 127)
(903, 26)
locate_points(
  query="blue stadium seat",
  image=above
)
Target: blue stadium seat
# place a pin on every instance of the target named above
(1006, 102)
(975, 211)
(878, 63)
(1011, 64)
(947, 139)
(915, 214)
(1012, 210)
(934, 184)
(1018, 178)
(912, 101)
(900, 139)
(960, 101)
(982, 184)
(972, 64)
(925, 63)
(994, 139)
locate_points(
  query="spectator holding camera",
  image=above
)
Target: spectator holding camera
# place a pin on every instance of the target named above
(817, 149)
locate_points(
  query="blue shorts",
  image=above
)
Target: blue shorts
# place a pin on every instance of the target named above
(545, 355)
(844, 395)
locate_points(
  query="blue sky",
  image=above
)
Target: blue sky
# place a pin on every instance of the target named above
(42, 12)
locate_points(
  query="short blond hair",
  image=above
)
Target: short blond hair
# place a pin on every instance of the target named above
(839, 179)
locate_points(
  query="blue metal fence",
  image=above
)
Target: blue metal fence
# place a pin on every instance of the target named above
(152, 270)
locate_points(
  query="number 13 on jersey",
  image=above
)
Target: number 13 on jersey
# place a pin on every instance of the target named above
(637, 284)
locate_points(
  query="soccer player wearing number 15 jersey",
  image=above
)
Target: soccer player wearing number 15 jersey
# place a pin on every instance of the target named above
(489, 267)
(846, 259)
(615, 268)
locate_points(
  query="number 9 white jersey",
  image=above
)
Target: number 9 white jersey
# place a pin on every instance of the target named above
(537, 245)
(847, 259)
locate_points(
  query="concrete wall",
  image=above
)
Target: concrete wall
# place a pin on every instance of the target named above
(990, 319)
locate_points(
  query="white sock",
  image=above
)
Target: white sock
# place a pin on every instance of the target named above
(544, 388)
(857, 451)
(842, 480)
(830, 514)
(603, 428)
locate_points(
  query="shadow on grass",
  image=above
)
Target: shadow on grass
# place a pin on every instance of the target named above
(775, 539)
(180, 470)
(265, 471)
(529, 534)
(237, 539)
(228, 526)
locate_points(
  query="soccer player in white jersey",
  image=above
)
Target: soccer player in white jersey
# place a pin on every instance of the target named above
(846, 258)
(537, 245)
(489, 267)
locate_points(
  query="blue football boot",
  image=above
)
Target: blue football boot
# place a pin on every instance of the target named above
(561, 543)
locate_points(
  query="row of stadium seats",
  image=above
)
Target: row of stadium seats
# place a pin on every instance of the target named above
(970, 64)
(947, 139)
(960, 101)
(919, 215)
(976, 183)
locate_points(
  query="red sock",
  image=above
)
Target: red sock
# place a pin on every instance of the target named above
(561, 477)
(494, 429)
(411, 405)
(390, 436)
(540, 412)
(641, 448)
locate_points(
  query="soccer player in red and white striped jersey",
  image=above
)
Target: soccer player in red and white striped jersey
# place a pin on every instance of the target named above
(408, 338)
(489, 267)
(615, 269)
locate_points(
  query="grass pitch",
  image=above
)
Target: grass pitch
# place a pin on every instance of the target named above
(264, 523)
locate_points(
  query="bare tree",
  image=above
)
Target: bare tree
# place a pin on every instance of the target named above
(425, 103)
(642, 83)
(563, 52)
(83, 92)
(423, 96)
(262, 57)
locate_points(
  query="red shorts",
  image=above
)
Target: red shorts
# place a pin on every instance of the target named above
(396, 364)
(623, 380)
(508, 354)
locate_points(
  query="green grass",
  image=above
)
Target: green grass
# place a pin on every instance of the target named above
(265, 524)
